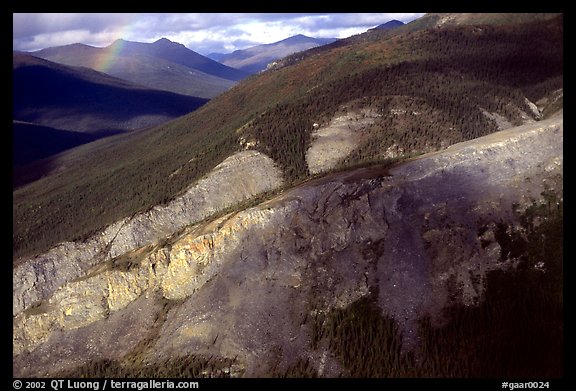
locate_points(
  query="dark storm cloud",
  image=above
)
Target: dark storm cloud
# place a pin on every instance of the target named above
(35, 24)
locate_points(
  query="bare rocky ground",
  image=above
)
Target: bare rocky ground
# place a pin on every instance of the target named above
(333, 142)
(246, 285)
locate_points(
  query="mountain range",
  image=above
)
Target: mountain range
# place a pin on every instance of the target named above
(386, 205)
(163, 65)
(257, 58)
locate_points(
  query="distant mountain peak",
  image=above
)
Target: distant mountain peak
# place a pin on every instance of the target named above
(164, 41)
(257, 58)
(298, 38)
(392, 24)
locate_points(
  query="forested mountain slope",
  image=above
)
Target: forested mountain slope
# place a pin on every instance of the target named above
(429, 87)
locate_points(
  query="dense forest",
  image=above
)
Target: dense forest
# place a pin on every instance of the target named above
(431, 88)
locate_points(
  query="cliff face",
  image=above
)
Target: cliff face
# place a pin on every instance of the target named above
(37, 278)
(420, 235)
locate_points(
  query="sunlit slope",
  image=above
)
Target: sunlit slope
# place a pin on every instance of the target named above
(162, 65)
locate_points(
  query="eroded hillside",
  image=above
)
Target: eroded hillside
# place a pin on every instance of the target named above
(238, 178)
(255, 292)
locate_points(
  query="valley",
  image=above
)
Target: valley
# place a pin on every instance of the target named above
(56, 107)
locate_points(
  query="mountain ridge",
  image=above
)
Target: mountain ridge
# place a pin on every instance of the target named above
(164, 65)
(256, 58)
(392, 24)
(179, 54)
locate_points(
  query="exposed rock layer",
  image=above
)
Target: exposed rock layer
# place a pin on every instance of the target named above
(237, 178)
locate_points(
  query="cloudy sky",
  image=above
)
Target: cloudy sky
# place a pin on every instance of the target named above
(204, 33)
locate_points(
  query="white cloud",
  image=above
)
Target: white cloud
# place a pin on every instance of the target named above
(200, 32)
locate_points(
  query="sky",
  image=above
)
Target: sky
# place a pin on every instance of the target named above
(204, 33)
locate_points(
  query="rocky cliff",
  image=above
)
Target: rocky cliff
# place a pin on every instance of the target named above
(244, 287)
(237, 178)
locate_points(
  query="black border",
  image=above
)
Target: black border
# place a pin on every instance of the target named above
(322, 7)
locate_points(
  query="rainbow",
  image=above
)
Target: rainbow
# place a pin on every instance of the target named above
(107, 58)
